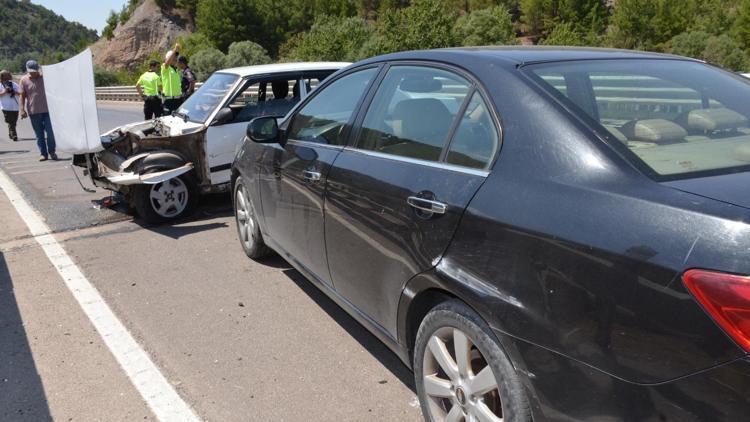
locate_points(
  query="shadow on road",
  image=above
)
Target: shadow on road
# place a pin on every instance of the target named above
(22, 395)
(355, 329)
(19, 151)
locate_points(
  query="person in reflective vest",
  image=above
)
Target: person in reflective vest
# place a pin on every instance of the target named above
(148, 87)
(171, 80)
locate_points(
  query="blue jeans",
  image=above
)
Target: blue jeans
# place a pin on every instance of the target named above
(41, 124)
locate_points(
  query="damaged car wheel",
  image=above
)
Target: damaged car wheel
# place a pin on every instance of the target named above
(165, 201)
(247, 225)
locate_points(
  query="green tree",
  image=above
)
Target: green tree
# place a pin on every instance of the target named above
(109, 30)
(535, 14)
(227, 21)
(649, 24)
(488, 26)
(330, 39)
(565, 34)
(423, 25)
(720, 50)
(246, 53)
(741, 28)
(690, 44)
(206, 62)
(192, 43)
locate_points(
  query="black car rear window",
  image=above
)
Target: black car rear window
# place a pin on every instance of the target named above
(679, 118)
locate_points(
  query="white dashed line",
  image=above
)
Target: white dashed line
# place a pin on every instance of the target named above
(143, 373)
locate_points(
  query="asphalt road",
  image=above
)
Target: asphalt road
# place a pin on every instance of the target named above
(237, 339)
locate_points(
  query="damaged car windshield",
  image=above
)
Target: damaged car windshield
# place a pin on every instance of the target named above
(199, 106)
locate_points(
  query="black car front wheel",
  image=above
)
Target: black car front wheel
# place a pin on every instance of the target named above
(166, 201)
(461, 372)
(247, 224)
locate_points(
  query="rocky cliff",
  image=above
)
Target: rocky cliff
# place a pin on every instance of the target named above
(148, 29)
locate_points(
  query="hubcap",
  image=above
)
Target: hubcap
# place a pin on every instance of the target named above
(169, 198)
(458, 381)
(245, 220)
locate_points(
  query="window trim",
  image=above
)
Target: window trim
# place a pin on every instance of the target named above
(474, 86)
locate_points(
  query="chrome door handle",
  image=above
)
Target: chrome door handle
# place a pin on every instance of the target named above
(426, 205)
(311, 176)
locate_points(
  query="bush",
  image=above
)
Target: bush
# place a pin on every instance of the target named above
(330, 39)
(246, 53)
(105, 77)
(206, 62)
(489, 26)
(720, 50)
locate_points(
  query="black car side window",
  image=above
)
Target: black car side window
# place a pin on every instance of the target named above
(323, 119)
(476, 140)
(413, 111)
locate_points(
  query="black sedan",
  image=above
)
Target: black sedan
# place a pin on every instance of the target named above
(541, 234)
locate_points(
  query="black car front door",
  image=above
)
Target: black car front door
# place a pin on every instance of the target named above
(292, 177)
(395, 197)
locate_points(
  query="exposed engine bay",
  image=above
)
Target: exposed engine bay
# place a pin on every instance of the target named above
(148, 152)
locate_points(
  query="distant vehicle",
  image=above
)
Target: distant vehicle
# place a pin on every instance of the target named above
(162, 165)
(546, 234)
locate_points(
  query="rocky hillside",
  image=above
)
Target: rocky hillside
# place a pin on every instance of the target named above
(148, 29)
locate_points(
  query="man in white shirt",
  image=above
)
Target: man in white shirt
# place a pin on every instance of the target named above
(9, 92)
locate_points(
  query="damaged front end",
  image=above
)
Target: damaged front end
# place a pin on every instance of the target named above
(139, 158)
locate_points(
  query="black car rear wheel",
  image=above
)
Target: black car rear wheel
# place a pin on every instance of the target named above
(461, 372)
(247, 224)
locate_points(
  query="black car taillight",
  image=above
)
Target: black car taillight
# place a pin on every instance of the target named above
(726, 297)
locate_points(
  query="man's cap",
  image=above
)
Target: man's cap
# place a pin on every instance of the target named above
(182, 59)
(32, 66)
(153, 63)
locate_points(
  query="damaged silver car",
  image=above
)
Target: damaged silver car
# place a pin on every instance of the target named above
(162, 166)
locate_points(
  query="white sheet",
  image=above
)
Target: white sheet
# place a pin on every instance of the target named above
(71, 99)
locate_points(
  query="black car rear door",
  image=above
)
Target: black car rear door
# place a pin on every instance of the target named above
(395, 197)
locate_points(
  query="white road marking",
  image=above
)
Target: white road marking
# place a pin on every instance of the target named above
(143, 373)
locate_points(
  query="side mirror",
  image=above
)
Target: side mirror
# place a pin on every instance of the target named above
(223, 116)
(263, 130)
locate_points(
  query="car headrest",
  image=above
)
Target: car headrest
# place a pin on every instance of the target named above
(653, 130)
(420, 84)
(711, 119)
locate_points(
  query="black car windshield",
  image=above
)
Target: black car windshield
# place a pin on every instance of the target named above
(202, 103)
(680, 118)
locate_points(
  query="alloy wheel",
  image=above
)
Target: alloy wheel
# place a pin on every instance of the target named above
(245, 220)
(169, 198)
(458, 381)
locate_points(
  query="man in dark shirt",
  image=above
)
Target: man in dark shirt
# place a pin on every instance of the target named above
(188, 77)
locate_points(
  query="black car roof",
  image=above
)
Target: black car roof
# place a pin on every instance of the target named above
(518, 55)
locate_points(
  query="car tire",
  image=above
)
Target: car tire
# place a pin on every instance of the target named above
(468, 388)
(247, 224)
(166, 201)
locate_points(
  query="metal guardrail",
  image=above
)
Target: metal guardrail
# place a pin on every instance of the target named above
(121, 93)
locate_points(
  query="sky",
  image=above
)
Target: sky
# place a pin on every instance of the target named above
(90, 13)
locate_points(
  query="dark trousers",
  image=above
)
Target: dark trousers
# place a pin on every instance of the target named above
(11, 118)
(172, 104)
(152, 107)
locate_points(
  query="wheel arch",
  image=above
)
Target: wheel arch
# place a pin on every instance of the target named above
(427, 290)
